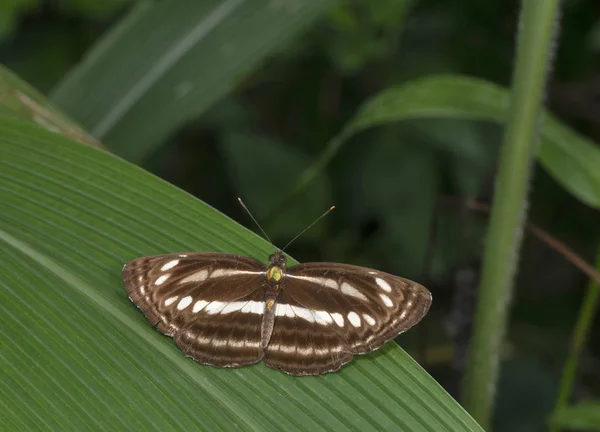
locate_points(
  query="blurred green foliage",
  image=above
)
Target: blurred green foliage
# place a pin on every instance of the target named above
(583, 416)
(10, 13)
(360, 32)
(256, 139)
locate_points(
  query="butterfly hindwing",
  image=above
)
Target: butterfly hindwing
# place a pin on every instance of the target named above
(303, 342)
(226, 338)
(212, 304)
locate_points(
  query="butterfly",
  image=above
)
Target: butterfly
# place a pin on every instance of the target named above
(228, 310)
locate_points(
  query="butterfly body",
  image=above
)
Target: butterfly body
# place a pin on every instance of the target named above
(228, 310)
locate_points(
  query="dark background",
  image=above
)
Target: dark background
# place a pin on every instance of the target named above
(386, 181)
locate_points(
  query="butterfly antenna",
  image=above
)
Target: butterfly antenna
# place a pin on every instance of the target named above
(256, 222)
(308, 227)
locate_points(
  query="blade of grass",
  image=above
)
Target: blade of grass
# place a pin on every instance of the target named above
(578, 339)
(75, 351)
(534, 52)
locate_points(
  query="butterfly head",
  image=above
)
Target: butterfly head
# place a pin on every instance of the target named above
(277, 259)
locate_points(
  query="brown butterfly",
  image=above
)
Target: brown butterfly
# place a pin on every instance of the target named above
(229, 310)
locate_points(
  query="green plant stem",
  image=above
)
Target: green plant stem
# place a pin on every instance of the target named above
(580, 333)
(538, 23)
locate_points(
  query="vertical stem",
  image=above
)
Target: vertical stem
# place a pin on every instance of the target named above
(538, 24)
(580, 333)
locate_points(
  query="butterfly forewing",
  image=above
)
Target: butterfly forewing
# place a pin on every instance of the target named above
(211, 303)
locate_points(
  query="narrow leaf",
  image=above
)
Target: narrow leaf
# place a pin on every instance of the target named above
(163, 65)
(570, 158)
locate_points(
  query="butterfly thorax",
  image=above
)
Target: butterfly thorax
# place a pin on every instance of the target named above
(274, 275)
(275, 271)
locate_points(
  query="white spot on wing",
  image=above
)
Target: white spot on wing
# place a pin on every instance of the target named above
(386, 300)
(303, 313)
(288, 349)
(329, 283)
(143, 289)
(223, 272)
(215, 307)
(318, 316)
(218, 342)
(251, 344)
(198, 276)
(184, 302)
(199, 305)
(233, 307)
(280, 309)
(254, 307)
(171, 300)
(352, 291)
(323, 317)
(201, 340)
(169, 265)
(383, 284)
(369, 319)
(338, 318)
(324, 351)
(306, 351)
(258, 307)
(161, 279)
(236, 343)
(354, 319)
(284, 310)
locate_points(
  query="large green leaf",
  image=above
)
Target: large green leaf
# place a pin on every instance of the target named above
(572, 159)
(76, 354)
(167, 62)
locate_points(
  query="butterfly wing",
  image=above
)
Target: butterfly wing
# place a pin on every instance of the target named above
(302, 343)
(328, 312)
(212, 304)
